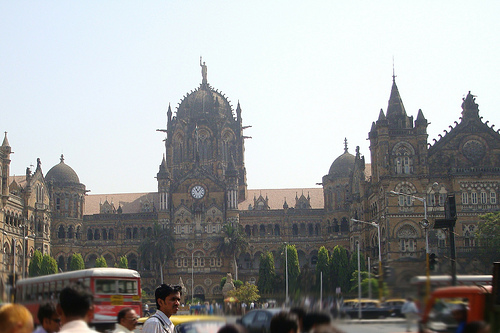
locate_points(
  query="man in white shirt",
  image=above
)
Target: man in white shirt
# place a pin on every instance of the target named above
(168, 300)
(410, 311)
(76, 306)
(50, 321)
(127, 321)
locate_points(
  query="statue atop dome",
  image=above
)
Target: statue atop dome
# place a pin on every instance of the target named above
(203, 72)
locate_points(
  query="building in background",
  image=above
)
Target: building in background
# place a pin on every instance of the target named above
(202, 186)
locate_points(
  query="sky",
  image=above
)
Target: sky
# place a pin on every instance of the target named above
(93, 79)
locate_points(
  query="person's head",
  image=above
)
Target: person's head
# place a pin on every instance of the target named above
(76, 302)
(477, 327)
(459, 313)
(48, 317)
(127, 317)
(15, 318)
(300, 312)
(168, 298)
(325, 328)
(313, 319)
(232, 328)
(284, 322)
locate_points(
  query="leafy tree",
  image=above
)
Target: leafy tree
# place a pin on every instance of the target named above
(232, 242)
(488, 235)
(223, 282)
(48, 265)
(122, 263)
(159, 247)
(35, 264)
(306, 279)
(293, 266)
(246, 293)
(339, 269)
(267, 273)
(76, 262)
(323, 266)
(101, 262)
(365, 282)
(353, 263)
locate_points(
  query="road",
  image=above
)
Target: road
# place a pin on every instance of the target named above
(374, 327)
(389, 325)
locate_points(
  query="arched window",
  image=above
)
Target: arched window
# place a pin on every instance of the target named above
(111, 234)
(97, 234)
(70, 232)
(104, 234)
(90, 234)
(403, 154)
(61, 233)
(128, 234)
(407, 236)
(60, 262)
(135, 234)
(248, 230)
(295, 230)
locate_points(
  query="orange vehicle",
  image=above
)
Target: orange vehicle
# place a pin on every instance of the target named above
(113, 289)
(438, 311)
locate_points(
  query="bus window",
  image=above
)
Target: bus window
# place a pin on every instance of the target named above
(86, 282)
(127, 287)
(59, 286)
(105, 286)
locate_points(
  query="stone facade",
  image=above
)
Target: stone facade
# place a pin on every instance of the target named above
(202, 185)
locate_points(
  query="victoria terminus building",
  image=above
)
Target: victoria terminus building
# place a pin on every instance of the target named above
(202, 186)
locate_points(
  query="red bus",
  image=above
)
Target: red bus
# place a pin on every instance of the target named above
(113, 289)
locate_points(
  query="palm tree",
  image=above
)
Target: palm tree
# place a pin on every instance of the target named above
(232, 242)
(158, 246)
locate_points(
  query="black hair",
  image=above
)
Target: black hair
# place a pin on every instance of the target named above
(76, 300)
(284, 322)
(301, 313)
(315, 318)
(475, 326)
(122, 313)
(46, 310)
(165, 290)
(232, 328)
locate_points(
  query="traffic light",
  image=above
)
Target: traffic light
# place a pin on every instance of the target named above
(387, 272)
(450, 208)
(432, 261)
(375, 272)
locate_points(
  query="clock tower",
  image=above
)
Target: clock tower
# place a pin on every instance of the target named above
(201, 180)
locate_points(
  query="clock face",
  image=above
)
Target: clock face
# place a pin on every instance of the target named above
(198, 192)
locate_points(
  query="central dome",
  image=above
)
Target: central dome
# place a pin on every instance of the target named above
(62, 173)
(205, 101)
(343, 165)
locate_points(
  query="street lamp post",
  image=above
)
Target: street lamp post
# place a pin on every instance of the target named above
(286, 273)
(425, 225)
(192, 278)
(376, 225)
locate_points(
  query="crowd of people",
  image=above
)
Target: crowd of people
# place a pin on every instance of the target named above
(74, 311)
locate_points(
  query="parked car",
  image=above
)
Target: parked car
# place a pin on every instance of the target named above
(191, 323)
(370, 309)
(394, 305)
(258, 321)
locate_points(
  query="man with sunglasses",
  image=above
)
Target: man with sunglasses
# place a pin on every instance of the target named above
(127, 321)
(50, 321)
(168, 299)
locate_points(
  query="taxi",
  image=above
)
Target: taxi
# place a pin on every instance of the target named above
(370, 309)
